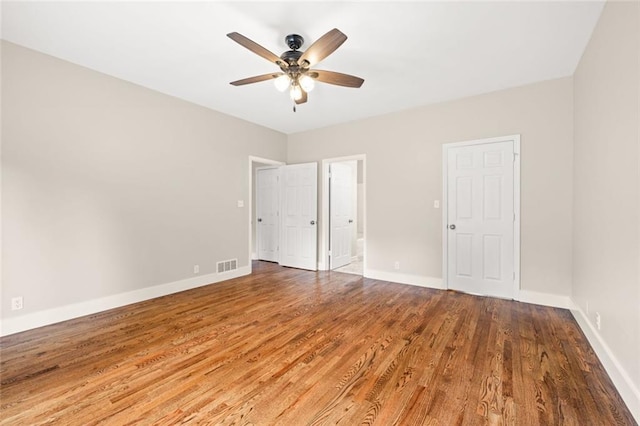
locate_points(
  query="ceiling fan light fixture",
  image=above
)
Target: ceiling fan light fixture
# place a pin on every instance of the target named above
(306, 83)
(282, 83)
(295, 73)
(295, 92)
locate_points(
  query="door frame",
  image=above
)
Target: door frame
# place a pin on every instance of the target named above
(323, 242)
(516, 205)
(266, 162)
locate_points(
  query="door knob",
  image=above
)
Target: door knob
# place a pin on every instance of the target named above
(452, 227)
(350, 220)
(313, 222)
(259, 220)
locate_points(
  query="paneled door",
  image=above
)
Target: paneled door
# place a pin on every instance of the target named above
(299, 201)
(267, 213)
(481, 218)
(341, 203)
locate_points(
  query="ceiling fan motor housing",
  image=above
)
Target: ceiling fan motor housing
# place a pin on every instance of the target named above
(294, 41)
(291, 56)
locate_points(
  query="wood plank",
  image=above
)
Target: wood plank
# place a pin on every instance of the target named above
(284, 346)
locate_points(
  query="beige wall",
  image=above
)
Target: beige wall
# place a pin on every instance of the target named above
(404, 168)
(607, 191)
(109, 187)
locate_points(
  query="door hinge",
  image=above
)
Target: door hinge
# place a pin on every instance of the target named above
(514, 216)
(329, 252)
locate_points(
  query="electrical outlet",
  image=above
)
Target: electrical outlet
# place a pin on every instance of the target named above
(196, 269)
(16, 303)
(598, 321)
(436, 204)
(396, 265)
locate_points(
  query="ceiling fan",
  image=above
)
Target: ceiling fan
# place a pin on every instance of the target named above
(295, 66)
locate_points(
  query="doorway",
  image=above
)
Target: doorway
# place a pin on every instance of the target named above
(481, 216)
(283, 225)
(254, 164)
(267, 213)
(343, 225)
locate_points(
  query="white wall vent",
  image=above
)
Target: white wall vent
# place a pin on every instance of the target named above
(227, 265)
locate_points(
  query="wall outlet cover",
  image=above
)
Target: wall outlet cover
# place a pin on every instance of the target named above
(16, 303)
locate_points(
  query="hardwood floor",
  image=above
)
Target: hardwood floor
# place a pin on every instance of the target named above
(290, 347)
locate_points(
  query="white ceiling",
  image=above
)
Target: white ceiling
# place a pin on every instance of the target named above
(409, 53)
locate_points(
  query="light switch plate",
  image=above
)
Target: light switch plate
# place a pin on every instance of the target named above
(436, 204)
(240, 203)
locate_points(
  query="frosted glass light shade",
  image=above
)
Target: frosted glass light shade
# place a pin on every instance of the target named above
(307, 83)
(282, 82)
(296, 93)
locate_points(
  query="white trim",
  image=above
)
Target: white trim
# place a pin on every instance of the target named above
(394, 277)
(516, 205)
(618, 375)
(67, 312)
(266, 161)
(323, 257)
(545, 299)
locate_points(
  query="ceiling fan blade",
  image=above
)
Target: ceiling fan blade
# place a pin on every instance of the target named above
(257, 49)
(256, 79)
(303, 99)
(322, 48)
(336, 78)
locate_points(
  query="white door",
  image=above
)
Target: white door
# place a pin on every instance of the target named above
(298, 241)
(481, 219)
(340, 213)
(267, 213)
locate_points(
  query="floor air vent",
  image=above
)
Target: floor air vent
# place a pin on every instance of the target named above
(227, 265)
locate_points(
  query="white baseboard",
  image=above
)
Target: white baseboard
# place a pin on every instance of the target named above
(396, 277)
(545, 299)
(624, 384)
(67, 312)
(526, 296)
